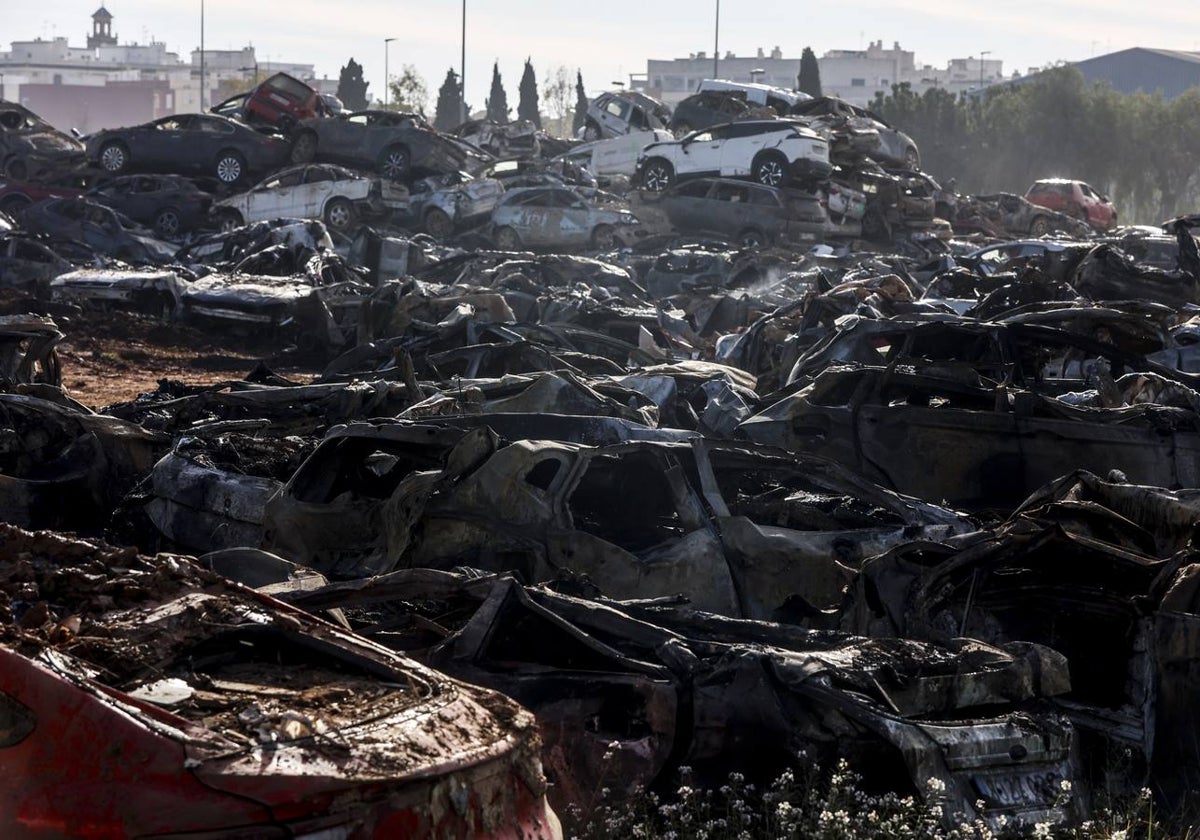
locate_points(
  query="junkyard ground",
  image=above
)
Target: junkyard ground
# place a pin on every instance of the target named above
(112, 357)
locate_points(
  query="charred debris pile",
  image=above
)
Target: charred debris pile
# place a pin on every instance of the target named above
(609, 471)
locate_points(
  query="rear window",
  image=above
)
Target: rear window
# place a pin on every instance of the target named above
(289, 87)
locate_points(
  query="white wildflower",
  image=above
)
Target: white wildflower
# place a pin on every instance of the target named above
(935, 785)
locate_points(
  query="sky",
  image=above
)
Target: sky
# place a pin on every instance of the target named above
(614, 38)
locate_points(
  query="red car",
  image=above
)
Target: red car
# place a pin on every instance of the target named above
(282, 101)
(1075, 198)
(149, 698)
(16, 195)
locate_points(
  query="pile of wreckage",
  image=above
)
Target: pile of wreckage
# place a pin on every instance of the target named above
(549, 522)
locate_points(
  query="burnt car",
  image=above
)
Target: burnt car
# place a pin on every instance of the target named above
(314, 191)
(393, 144)
(1008, 214)
(31, 148)
(558, 217)
(747, 213)
(443, 204)
(838, 116)
(206, 144)
(26, 263)
(235, 715)
(16, 195)
(709, 107)
(168, 204)
(100, 228)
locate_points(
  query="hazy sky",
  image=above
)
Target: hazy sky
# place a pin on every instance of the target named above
(609, 40)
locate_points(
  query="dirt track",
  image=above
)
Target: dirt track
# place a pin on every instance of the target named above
(114, 356)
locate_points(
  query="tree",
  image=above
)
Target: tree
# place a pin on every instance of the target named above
(352, 88)
(809, 80)
(449, 103)
(497, 102)
(581, 103)
(527, 107)
(556, 93)
(408, 92)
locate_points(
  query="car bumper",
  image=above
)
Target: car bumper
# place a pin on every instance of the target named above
(811, 170)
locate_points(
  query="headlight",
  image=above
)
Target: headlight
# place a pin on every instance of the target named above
(628, 219)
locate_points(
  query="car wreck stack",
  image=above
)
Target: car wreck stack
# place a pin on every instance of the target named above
(591, 483)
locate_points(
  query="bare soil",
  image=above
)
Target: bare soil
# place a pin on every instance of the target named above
(111, 357)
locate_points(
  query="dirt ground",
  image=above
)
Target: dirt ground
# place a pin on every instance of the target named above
(110, 357)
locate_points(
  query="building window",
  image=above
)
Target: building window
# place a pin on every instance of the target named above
(858, 83)
(58, 78)
(883, 82)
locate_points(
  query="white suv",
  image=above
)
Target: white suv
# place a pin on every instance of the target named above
(772, 152)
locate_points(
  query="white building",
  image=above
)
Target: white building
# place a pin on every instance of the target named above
(853, 75)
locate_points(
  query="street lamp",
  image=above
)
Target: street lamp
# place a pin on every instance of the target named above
(981, 55)
(754, 74)
(462, 75)
(716, 38)
(387, 81)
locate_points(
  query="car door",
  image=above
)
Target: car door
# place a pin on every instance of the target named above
(614, 115)
(317, 187)
(729, 210)
(688, 204)
(743, 142)
(275, 197)
(700, 153)
(163, 144)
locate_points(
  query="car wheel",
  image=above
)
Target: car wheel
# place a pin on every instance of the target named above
(681, 129)
(753, 238)
(14, 204)
(604, 238)
(591, 131)
(114, 157)
(394, 163)
(339, 214)
(507, 239)
(770, 170)
(228, 220)
(17, 169)
(230, 167)
(167, 222)
(912, 160)
(657, 175)
(1040, 226)
(305, 148)
(438, 223)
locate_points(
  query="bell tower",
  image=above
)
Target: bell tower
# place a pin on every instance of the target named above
(101, 29)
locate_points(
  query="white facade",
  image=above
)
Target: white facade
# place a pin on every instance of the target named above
(853, 75)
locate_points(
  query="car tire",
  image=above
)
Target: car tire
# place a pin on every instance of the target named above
(591, 131)
(507, 239)
(304, 149)
(167, 223)
(114, 157)
(228, 219)
(17, 169)
(438, 223)
(13, 205)
(657, 175)
(771, 170)
(604, 238)
(1040, 226)
(395, 163)
(753, 238)
(230, 167)
(681, 129)
(339, 214)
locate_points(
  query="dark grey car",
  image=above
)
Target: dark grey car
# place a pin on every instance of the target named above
(206, 144)
(743, 212)
(395, 145)
(30, 147)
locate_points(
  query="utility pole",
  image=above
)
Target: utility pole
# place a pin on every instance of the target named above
(716, 39)
(203, 75)
(387, 80)
(981, 55)
(462, 74)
